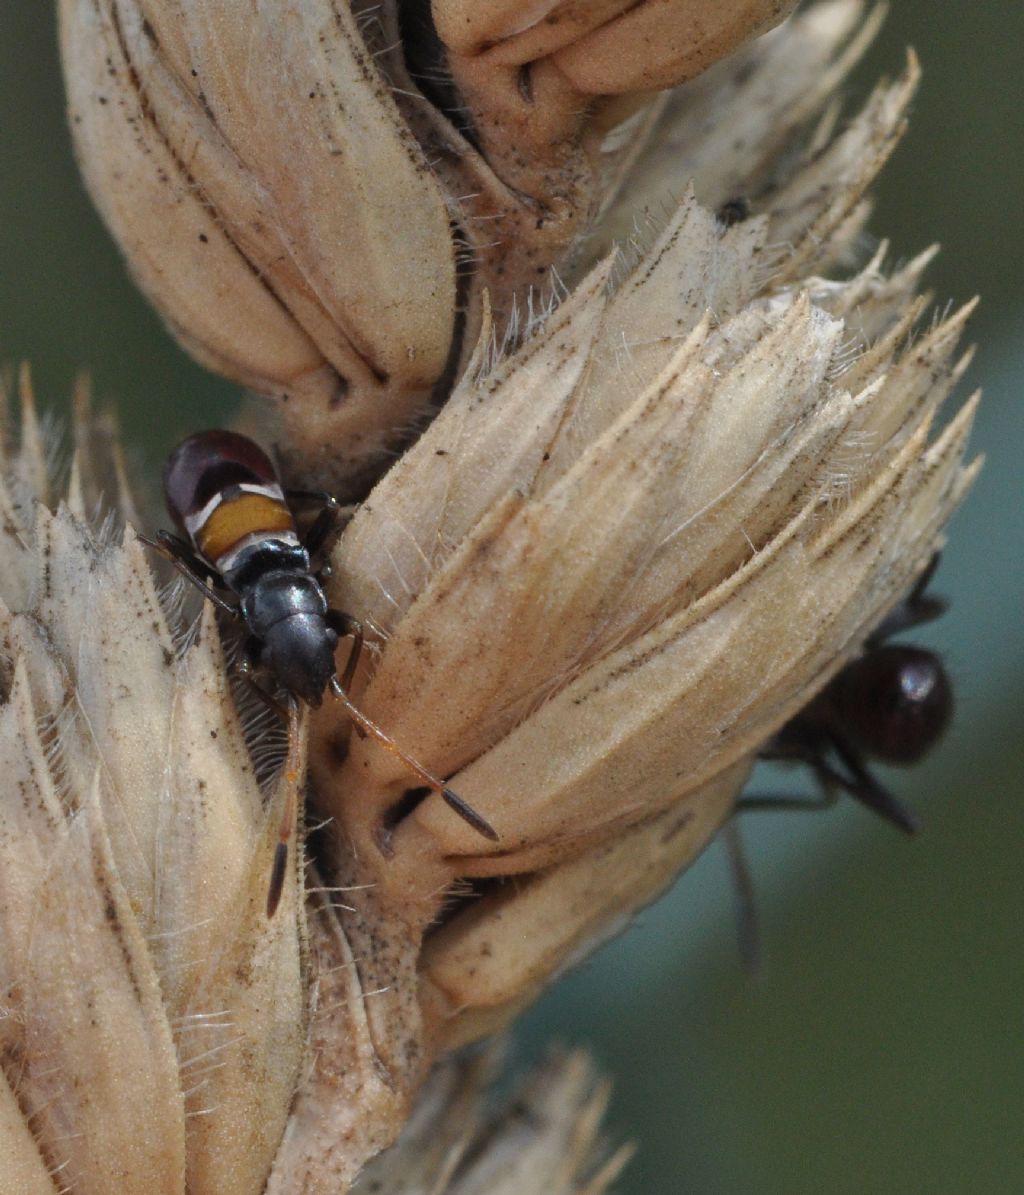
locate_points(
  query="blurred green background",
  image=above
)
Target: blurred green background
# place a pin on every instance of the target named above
(881, 1051)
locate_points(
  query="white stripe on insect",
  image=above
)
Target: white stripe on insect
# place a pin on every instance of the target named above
(195, 523)
(227, 562)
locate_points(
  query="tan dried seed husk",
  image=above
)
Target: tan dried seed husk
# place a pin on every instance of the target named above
(723, 132)
(486, 965)
(612, 43)
(542, 1138)
(266, 181)
(660, 43)
(257, 173)
(134, 882)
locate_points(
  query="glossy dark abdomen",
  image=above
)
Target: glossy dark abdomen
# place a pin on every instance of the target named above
(205, 464)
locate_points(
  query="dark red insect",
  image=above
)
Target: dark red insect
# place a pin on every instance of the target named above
(892, 704)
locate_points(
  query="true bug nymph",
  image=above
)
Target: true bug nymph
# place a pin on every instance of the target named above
(223, 493)
(239, 535)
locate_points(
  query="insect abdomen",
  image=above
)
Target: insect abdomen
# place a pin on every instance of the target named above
(242, 518)
(223, 492)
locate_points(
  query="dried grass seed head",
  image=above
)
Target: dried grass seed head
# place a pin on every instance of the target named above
(153, 1022)
(643, 531)
(314, 220)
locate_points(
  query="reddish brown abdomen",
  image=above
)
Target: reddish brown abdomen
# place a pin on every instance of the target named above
(208, 463)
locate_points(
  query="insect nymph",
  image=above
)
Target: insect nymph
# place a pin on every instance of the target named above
(240, 536)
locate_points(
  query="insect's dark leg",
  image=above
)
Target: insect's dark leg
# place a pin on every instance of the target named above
(288, 712)
(247, 666)
(925, 579)
(797, 749)
(917, 608)
(782, 803)
(748, 931)
(345, 625)
(452, 799)
(189, 565)
(863, 787)
(289, 813)
(328, 524)
(859, 784)
(177, 551)
(320, 497)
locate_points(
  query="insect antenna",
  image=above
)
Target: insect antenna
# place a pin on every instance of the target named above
(451, 798)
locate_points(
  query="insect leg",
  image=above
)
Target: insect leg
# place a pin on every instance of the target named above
(863, 787)
(748, 930)
(917, 608)
(783, 803)
(246, 668)
(189, 565)
(289, 813)
(859, 784)
(328, 524)
(344, 625)
(806, 752)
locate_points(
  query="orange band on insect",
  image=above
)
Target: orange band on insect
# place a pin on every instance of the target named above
(237, 518)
